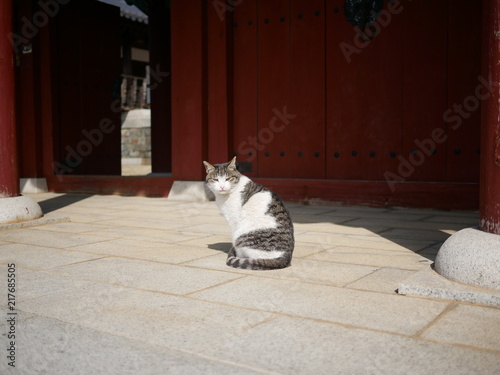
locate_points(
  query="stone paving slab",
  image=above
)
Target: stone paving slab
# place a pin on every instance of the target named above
(385, 280)
(378, 311)
(44, 220)
(45, 237)
(104, 353)
(429, 283)
(408, 224)
(146, 275)
(137, 285)
(39, 257)
(368, 242)
(147, 250)
(301, 270)
(143, 223)
(372, 257)
(146, 234)
(469, 326)
(296, 346)
(154, 318)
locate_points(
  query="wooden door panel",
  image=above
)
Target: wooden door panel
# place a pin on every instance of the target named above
(364, 86)
(273, 87)
(306, 112)
(245, 85)
(424, 95)
(466, 90)
(88, 44)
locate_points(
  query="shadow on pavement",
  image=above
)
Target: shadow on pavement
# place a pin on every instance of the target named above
(61, 201)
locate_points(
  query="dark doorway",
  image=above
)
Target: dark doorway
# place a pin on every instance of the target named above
(89, 54)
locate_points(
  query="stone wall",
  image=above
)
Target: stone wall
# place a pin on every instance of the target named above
(136, 137)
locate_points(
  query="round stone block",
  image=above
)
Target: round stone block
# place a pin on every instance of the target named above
(15, 209)
(472, 257)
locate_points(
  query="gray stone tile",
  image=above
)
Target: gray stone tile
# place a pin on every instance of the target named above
(207, 241)
(373, 257)
(329, 240)
(132, 214)
(299, 346)
(304, 249)
(69, 227)
(429, 283)
(301, 270)
(301, 218)
(408, 224)
(146, 275)
(469, 325)
(43, 238)
(88, 218)
(430, 235)
(89, 210)
(36, 284)
(154, 251)
(152, 318)
(470, 220)
(144, 234)
(142, 223)
(385, 280)
(49, 346)
(310, 209)
(358, 308)
(210, 228)
(337, 229)
(4, 313)
(39, 257)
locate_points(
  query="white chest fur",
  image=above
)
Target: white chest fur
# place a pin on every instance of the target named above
(247, 218)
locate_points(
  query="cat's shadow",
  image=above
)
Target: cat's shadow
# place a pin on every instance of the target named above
(221, 246)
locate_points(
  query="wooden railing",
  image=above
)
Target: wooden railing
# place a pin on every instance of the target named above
(134, 92)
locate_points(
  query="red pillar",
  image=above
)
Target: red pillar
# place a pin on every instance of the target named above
(490, 131)
(159, 58)
(189, 95)
(9, 174)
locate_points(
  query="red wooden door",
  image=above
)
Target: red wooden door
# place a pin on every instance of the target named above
(364, 86)
(245, 84)
(314, 99)
(87, 75)
(273, 87)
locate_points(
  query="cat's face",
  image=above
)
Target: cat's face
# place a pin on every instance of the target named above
(222, 178)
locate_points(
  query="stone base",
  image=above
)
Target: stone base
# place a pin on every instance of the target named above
(33, 185)
(467, 268)
(36, 222)
(17, 209)
(471, 257)
(428, 283)
(191, 191)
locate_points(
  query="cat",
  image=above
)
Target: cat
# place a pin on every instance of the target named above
(261, 226)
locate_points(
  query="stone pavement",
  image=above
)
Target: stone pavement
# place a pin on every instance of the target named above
(134, 285)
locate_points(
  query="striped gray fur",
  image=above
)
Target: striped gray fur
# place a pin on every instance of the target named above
(279, 238)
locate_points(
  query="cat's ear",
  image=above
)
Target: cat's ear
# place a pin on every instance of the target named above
(232, 164)
(208, 167)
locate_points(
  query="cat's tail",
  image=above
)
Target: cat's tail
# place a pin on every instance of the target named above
(256, 264)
